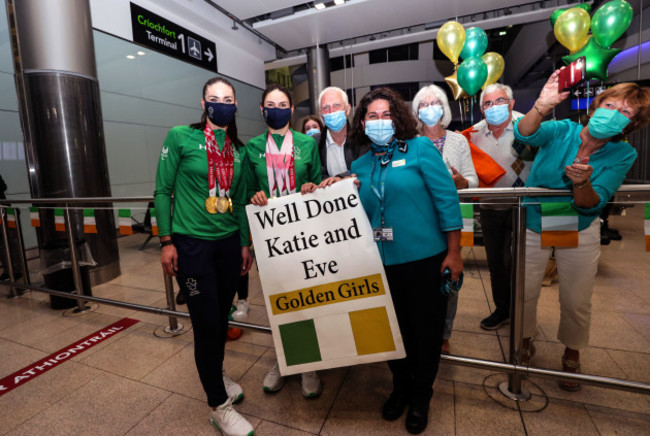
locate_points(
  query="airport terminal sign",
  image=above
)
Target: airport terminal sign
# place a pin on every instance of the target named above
(324, 285)
(154, 31)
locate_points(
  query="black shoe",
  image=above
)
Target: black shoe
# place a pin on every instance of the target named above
(612, 234)
(417, 417)
(5, 276)
(494, 321)
(394, 406)
(180, 298)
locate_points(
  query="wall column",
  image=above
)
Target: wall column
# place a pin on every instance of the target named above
(318, 73)
(60, 111)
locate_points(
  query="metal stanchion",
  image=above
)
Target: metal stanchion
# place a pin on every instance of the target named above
(9, 266)
(74, 258)
(21, 245)
(174, 326)
(512, 388)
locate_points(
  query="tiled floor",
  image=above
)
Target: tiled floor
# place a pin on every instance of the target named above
(137, 383)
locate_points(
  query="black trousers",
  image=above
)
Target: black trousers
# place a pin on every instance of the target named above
(496, 225)
(421, 311)
(242, 290)
(208, 276)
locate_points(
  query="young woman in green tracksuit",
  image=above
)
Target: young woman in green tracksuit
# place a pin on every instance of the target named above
(205, 241)
(281, 161)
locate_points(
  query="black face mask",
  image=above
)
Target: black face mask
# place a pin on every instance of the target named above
(221, 114)
(275, 117)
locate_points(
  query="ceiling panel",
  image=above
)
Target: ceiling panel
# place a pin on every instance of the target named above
(245, 9)
(363, 17)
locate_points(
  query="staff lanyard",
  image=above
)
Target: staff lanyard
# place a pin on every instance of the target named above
(381, 192)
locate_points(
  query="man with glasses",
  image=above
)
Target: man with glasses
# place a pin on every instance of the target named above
(494, 136)
(334, 143)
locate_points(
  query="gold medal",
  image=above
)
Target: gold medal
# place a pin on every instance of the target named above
(211, 204)
(222, 204)
(230, 204)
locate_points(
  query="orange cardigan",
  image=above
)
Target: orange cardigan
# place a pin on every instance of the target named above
(488, 171)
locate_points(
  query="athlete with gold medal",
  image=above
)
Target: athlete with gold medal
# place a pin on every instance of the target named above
(205, 242)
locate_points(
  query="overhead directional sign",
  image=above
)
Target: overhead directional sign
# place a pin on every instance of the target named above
(162, 35)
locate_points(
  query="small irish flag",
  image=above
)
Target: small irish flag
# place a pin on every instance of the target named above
(11, 218)
(125, 221)
(559, 225)
(154, 222)
(467, 234)
(59, 220)
(357, 333)
(90, 225)
(647, 227)
(34, 217)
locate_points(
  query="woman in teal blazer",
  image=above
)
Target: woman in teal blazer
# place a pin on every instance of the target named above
(413, 207)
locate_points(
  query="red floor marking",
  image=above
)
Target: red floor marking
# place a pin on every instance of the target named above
(32, 371)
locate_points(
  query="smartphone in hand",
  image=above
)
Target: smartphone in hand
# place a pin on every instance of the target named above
(573, 74)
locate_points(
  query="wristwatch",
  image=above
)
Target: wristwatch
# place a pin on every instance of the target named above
(166, 243)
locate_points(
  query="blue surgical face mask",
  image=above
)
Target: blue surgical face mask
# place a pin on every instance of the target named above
(275, 117)
(380, 132)
(335, 121)
(431, 114)
(607, 123)
(221, 114)
(497, 114)
(312, 132)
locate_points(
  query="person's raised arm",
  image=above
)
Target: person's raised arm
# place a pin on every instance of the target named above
(547, 100)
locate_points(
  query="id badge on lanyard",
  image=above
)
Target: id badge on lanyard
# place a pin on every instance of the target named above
(382, 233)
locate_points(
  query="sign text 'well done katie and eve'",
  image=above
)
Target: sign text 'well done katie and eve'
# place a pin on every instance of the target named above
(323, 281)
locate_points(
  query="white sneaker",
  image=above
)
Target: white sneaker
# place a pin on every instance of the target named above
(231, 423)
(310, 384)
(234, 391)
(241, 314)
(273, 381)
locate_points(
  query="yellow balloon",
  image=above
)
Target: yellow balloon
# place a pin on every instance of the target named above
(571, 28)
(584, 42)
(495, 65)
(450, 39)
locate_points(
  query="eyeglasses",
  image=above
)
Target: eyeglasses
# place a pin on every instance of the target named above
(499, 101)
(424, 104)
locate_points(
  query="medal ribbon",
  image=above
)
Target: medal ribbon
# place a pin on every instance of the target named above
(221, 164)
(280, 165)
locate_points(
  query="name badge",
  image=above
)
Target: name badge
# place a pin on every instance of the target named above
(382, 233)
(399, 163)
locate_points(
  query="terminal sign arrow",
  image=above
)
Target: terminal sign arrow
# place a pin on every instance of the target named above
(209, 54)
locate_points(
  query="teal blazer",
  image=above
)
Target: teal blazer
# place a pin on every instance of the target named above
(420, 200)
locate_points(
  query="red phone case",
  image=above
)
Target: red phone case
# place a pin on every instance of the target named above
(573, 74)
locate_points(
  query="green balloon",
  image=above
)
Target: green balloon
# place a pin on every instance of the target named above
(598, 58)
(610, 21)
(476, 42)
(471, 75)
(555, 15)
(585, 6)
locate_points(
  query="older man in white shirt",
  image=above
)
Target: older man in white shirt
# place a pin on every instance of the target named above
(494, 135)
(336, 148)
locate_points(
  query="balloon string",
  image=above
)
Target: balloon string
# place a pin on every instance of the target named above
(460, 109)
(587, 98)
(471, 112)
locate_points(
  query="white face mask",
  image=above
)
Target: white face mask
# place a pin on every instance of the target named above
(380, 132)
(431, 114)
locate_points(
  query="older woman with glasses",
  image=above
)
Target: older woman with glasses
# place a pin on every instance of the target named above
(432, 111)
(591, 160)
